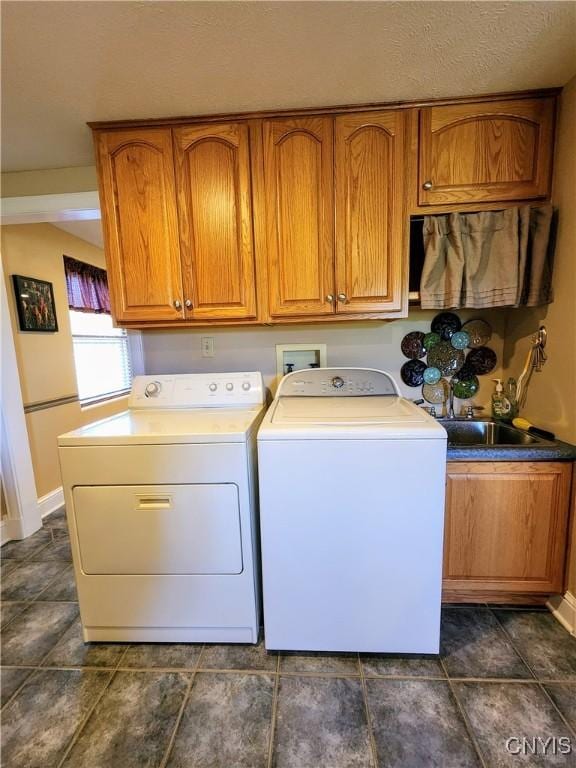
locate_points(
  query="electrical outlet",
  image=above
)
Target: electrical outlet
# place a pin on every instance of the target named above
(207, 346)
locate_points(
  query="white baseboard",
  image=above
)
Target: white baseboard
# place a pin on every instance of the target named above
(5, 532)
(563, 608)
(12, 528)
(16, 528)
(51, 502)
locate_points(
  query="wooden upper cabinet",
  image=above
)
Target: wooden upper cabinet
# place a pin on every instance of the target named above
(140, 223)
(279, 218)
(490, 151)
(369, 196)
(213, 185)
(298, 180)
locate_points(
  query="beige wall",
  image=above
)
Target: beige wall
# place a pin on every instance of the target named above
(552, 394)
(55, 181)
(45, 360)
(369, 344)
(45, 426)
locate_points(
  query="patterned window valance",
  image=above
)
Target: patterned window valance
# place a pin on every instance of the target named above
(87, 286)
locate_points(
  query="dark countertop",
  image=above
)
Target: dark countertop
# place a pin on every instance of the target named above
(545, 450)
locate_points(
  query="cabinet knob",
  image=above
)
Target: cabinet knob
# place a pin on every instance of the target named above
(188, 304)
(177, 305)
(342, 297)
(427, 185)
(330, 298)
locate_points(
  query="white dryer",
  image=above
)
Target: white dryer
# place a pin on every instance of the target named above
(351, 512)
(161, 507)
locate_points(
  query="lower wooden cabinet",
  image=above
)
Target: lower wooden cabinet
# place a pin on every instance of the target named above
(505, 529)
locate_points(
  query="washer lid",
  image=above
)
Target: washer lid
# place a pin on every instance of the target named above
(165, 426)
(347, 410)
(349, 418)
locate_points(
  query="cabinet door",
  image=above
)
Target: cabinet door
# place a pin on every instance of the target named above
(500, 150)
(370, 231)
(505, 528)
(140, 223)
(298, 177)
(215, 210)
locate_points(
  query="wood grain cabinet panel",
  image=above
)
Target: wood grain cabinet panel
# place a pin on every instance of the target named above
(490, 151)
(505, 527)
(215, 213)
(140, 223)
(298, 179)
(369, 196)
(290, 217)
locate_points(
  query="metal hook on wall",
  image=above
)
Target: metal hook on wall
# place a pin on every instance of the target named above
(534, 362)
(542, 336)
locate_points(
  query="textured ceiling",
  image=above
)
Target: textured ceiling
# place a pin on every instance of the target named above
(65, 63)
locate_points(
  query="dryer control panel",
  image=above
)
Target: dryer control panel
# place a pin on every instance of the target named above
(337, 382)
(198, 390)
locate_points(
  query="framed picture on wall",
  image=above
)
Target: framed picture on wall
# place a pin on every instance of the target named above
(35, 304)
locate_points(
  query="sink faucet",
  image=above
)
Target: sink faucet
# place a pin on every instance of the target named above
(471, 408)
(450, 414)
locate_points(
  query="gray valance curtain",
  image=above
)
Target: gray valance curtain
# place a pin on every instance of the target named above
(488, 259)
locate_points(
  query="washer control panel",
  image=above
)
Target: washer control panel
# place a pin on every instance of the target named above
(337, 382)
(197, 390)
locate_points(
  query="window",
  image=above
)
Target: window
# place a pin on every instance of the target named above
(101, 356)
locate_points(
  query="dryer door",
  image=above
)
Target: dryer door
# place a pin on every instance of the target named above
(158, 529)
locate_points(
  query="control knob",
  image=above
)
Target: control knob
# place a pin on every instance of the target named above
(229, 386)
(152, 389)
(338, 382)
(246, 386)
(213, 387)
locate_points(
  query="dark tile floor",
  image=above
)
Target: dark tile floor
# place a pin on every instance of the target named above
(503, 673)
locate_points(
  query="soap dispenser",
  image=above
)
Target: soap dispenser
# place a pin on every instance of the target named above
(500, 403)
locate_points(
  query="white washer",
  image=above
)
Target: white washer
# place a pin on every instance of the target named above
(351, 512)
(161, 507)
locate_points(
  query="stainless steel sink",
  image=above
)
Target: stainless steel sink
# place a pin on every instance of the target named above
(472, 432)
